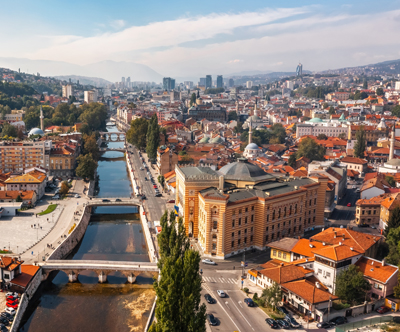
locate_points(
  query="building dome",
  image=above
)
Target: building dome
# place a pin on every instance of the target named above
(36, 131)
(217, 139)
(204, 140)
(315, 120)
(393, 162)
(255, 118)
(243, 170)
(251, 146)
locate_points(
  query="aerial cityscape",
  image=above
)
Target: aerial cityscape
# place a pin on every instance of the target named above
(200, 167)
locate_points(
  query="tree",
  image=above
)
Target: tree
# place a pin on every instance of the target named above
(278, 131)
(393, 243)
(322, 137)
(396, 111)
(87, 166)
(161, 180)
(292, 160)
(272, 295)
(390, 179)
(331, 110)
(351, 285)
(64, 188)
(9, 130)
(310, 149)
(393, 222)
(365, 84)
(379, 92)
(238, 128)
(18, 199)
(153, 138)
(179, 286)
(342, 136)
(90, 146)
(359, 147)
(193, 99)
(232, 115)
(136, 135)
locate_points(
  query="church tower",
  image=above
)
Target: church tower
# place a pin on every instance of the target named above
(41, 118)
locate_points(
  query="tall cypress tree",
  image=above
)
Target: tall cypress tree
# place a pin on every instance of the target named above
(153, 138)
(179, 286)
(359, 147)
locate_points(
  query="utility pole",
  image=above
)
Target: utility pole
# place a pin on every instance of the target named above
(329, 307)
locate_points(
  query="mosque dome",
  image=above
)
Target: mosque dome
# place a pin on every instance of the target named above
(217, 139)
(315, 120)
(393, 162)
(251, 146)
(36, 131)
(204, 140)
(255, 118)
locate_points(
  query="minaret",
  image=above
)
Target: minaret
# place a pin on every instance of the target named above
(41, 118)
(250, 131)
(392, 140)
(255, 108)
(237, 107)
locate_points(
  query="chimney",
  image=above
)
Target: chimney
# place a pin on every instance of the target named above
(383, 262)
(334, 235)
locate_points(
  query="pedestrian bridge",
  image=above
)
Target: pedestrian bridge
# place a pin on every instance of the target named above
(112, 149)
(112, 201)
(118, 136)
(72, 268)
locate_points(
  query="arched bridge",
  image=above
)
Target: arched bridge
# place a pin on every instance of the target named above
(73, 267)
(118, 136)
(112, 149)
(114, 201)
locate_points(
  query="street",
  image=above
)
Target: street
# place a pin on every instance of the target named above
(154, 205)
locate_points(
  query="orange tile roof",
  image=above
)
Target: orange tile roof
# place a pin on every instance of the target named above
(374, 269)
(284, 273)
(305, 247)
(352, 160)
(361, 242)
(308, 291)
(13, 194)
(27, 273)
(337, 252)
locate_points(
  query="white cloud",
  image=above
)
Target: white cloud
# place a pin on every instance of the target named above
(118, 24)
(235, 61)
(269, 39)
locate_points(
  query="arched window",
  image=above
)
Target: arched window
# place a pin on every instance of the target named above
(273, 215)
(214, 236)
(215, 224)
(284, 212)
(295, 208)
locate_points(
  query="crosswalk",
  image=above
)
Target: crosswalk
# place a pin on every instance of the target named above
(221, 280)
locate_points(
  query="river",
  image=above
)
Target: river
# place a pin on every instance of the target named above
(113, 233)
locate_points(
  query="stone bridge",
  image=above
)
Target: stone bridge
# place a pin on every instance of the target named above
(112, 149)
(72, 268)
(107, 136)
(94, 201)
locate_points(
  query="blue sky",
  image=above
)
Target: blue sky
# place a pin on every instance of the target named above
(174, 37)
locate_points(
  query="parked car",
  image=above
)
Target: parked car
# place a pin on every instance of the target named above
(249, 302)
(272, 323)
(11, 297)
(221, 293)
(158, 194)
(209, 298)
(324, 325)
(155, 186)
(338, 320)
(143, 196)
(373, 227)
(171, 201)
(4, 321)
(3, 328)
(118, 200)
(382, 310)
(211, 319)
(283, 324)
(348, 204)
(362, 225)
(293, 323)
(208, 261)
(56, 197)
(283, 310)
(76, 196)
(14, 301)
(7, 316)
(13, 306)
(145, 178)
(141, 168)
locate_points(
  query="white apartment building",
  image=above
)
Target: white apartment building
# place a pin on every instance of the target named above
(90, 96)
(397, 86)
(289, 85)
(67, 91)
(249, 84)
(318, 127)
